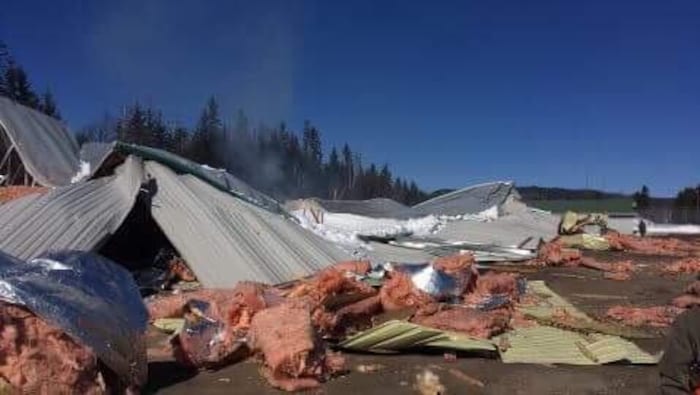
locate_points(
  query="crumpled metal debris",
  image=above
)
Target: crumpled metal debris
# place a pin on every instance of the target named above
(446, 278)
(92, 299)
(430, 280)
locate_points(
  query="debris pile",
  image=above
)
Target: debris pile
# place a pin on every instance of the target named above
(685, 265)
(216, 321)
(554, 253)
(656, 316)
(284, 325)
(293, 357)
(501, 289)
(40, 358)
(649, 245)
(70, 322)
(399, 292)
(690, 297)
(136, 198)
(467, 321)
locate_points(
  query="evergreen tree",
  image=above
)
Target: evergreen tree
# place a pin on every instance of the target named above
(156, 132)
(179, 140)
(104, 130)
(642, 198)
(333, 175)
(385, 182)
(313, 155)
(688, 197)
(207, 134)
(132, 127)
(4, 64)
(47, 105)
(348, 170)
(414, 194)
(18, 86)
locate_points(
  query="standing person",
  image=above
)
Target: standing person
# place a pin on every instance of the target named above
(642, 228)
(680, 365)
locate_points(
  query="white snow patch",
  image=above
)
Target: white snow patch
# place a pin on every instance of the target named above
(49, 264)
(488, 215)
(83, 172)
(344, 229)
(672, 229)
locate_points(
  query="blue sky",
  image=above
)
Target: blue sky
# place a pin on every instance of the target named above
(604, 94)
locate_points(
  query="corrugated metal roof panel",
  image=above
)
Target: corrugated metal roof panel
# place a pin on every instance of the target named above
(219, 178)
(396, 335)
(547, 345)
(374, 208)
(226, 240)
(381, 253)
(74, 217)
(510, 230)
(48, 150)
(469, 200)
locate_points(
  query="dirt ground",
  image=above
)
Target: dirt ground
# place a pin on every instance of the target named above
(585, 288)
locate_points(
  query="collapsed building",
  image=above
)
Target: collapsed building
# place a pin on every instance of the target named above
(128, 203)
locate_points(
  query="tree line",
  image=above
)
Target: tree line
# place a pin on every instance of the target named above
(688, 197)
(15, 84)
(274, 159)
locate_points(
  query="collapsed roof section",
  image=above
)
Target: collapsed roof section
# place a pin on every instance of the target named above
(224, 239)
(471, 200)
(373, 208)
(106, 154)
(46, 149)
(518, 229)
(75, 217)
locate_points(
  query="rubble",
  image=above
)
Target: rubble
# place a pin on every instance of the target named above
(467, 321)
(356, 316)
(554, 253)
(398, 292)
(656, 316)
(86, 299)
(649, 245)
(686, 265)
(354, 267)
(490, 285)
(236, 233)
(293, 358)
(454, 264)
(40, 358)
(686, 301)
(216, 321)
(693, 288)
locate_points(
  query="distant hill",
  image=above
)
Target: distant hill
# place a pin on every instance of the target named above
(439, 192)
(530, 193)
(563, 199)
(581, 200)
